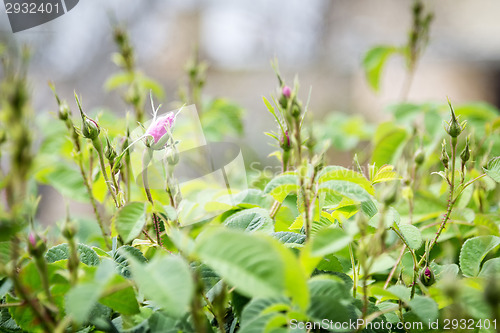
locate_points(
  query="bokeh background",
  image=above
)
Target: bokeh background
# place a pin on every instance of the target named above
(321, 41)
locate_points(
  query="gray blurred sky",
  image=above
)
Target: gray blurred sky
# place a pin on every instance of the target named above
(322, 41)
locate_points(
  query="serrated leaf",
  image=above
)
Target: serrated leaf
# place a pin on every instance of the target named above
(340, 173)
(124, 300)
(256, 265)
(130, 220)
(385, 174)
(400, 292)
(330, 299)
(68, 181)
(389, 140)
(374, 62)
(329, 240)
(473, 252)
(281, 186)
(424, 308)
(80, 300)
(250, 220)
(166, 281)
(491, 268)
(345, 188)
(493, 169)
(60, 252)
(121, 258)
(411, 234)
(289, 238)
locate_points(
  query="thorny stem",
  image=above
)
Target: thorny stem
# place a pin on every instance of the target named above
(416, 265)
(98, 147)
(145, 183)
(451, 200)
(393, 270)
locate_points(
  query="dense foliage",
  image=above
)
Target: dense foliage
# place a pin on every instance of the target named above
(404, 240)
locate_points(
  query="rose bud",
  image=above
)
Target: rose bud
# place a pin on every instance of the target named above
(159, 131)
(454, 127)
(427, 277)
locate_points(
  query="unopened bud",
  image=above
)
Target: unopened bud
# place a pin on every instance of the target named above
(427, 277)
(286, 91)
(109, 152)
(90, 128)
(465, 155)
(454, 127)
(285, 142)
(63, 111)
(419, 156)
(69, 230)
(444, 155)
(36, 245)
(296, 110)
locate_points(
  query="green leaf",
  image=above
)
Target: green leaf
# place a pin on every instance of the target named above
(473, 252)
(330, 299)
(117, 80)
(23, 316)
(80, 300)
(123, 300)
(373, 63)
(250, 220)
(400, 292)
(60, 252)
(258, 266)
(329, 240)
(281, 186)
(221, 118)
(491, 268)
(259, 312)
(425, 308)
(493, 169)
(341, 173)
(289, 238)
(167, 282)
(345, 188)
(411, 234)
(388, 142)
(385, 174)
(130, 220)
(66, 180)
(121, 258)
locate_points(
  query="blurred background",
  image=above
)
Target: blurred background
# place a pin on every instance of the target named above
(321, 41)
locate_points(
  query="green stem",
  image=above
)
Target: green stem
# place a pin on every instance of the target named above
(41, 265)
(451, 200)
(354, 275)
(93, 201)
(98, 147)
(275, 209)
(145, 183)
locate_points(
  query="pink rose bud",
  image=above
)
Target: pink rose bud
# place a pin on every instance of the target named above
(287, 92)
(159, 127)
(32, 239)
